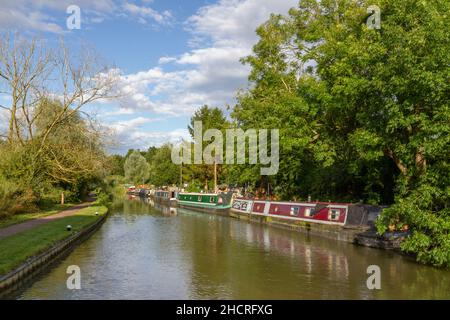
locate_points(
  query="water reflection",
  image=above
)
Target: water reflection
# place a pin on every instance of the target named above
(149, 251)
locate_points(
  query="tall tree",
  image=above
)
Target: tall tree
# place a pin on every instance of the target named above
(163, 172)
(364, 112)
(137, 169)
(211, 118)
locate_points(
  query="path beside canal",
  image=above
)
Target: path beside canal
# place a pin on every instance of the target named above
(30, 224)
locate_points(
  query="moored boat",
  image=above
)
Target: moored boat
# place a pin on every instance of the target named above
(209, 202)
(165, 197)
(342, 221)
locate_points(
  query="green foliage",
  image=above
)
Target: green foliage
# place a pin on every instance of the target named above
(211, 118)
(195, 186)
(363, 113)
(69, 160)
(116, 164)
(136, 168)
(103, 198)
(163, 172)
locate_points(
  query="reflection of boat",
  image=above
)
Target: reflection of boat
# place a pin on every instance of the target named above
(210, 202)
(337, 220)
(323, 254)
(166, 210)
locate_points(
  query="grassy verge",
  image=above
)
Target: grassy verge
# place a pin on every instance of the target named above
(45, 211)
(16, 249)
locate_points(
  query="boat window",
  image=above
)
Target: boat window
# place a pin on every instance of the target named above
(333, 214)
(295, 211)
(211, 199)
(200, 198)
(309, 212)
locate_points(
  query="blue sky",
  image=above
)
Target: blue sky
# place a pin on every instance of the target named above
(173, 56)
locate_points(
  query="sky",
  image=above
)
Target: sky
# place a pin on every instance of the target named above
(173, 56)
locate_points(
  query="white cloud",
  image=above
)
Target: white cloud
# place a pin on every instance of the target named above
(118, 112)
(131, 135)
(144, 12)
(40, 15)
(165, 59)
(233, 22)
(210, 73)
(35, 20)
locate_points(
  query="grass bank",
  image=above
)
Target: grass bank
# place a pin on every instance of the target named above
(45, 211)
(16, 249)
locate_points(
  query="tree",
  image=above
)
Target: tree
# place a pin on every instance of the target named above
(163, 172)
(136, 168)
(116, 163)
(364, 112)
(31, 72)
(50, 144)
(211, 118)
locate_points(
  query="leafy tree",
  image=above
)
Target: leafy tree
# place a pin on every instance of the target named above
(116, 163)
(211, 118)
(136, 168)
(163, 172)
(363, 113)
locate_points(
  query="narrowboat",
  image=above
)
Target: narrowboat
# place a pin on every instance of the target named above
(165, 197)
(131, 190)
(143, 193)
(208, 202)
(341, 221)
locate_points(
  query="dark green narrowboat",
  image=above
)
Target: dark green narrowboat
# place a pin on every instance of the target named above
(210, 202)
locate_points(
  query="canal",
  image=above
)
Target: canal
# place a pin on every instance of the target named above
(145, 252)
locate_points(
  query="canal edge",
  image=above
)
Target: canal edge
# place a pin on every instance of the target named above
(31, 268)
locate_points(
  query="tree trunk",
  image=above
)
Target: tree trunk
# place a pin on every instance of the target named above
(398, 162)
(421, 162)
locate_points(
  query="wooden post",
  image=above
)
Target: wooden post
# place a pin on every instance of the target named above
(181, 176)
(215, 176)
(62, 198)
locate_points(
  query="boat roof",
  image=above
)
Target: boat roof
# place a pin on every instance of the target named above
(297, 202)
(199, 194)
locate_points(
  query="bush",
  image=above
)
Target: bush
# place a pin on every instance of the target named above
(15, 199)
(425, 211)
(53, 195)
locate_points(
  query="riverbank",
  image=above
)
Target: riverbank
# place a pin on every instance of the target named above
(19, 250)
(43, 212)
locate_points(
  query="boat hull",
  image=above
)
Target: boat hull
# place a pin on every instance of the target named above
(338, 221)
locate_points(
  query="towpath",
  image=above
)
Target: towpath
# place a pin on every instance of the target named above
(33, 223)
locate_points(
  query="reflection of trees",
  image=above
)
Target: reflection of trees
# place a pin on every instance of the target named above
(234, 259)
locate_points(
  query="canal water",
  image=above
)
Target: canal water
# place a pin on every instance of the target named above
(148, 252)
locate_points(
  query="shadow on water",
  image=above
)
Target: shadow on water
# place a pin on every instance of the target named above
(148, 251)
